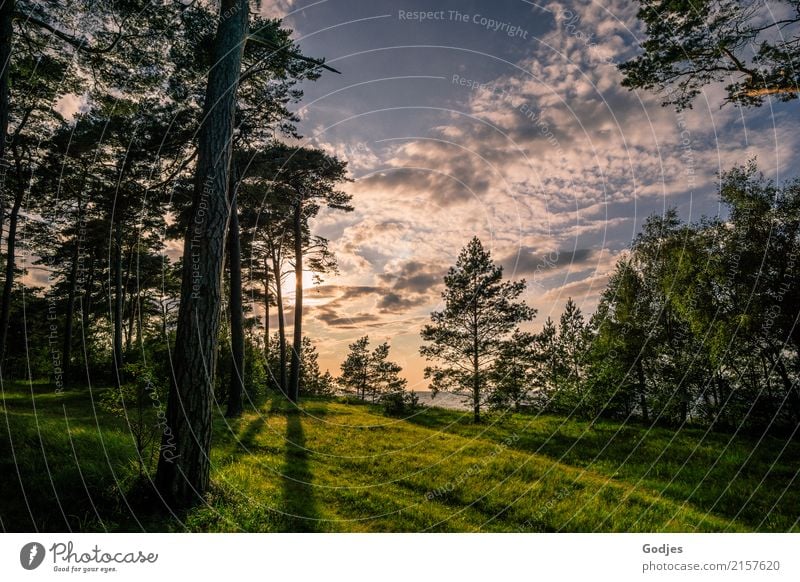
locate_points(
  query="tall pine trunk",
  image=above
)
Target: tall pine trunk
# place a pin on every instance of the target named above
(266, 309)
(86, 306)
(8, 284)
(6, 37)
(476, 378)
(182, 476)
(118, 300)
(66, 351)
(236, 388)
(281, 324)
(297, 345)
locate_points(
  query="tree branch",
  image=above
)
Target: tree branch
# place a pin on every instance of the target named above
(80, 44)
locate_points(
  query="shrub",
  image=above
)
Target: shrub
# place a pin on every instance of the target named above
(139, 403)
(400, 403)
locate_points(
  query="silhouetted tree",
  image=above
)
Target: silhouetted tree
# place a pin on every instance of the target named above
(481, 311)
(183, 467)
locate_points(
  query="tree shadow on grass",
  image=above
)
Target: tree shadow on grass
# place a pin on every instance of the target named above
(299, 503)
(299, 508)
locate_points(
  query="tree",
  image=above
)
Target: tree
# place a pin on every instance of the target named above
(549, 370)
(691, 43)
(622, 346)
(183, 468)
(266, 88)
(40, 63)
(572, 345)
(312, 381)
(481, 311)
(355, 368)
(385, 373)
(307, 179)
(365, 372)
(512, 373)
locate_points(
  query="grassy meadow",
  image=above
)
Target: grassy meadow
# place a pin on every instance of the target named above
(339, 467)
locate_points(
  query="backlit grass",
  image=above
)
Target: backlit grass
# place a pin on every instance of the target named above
(341, 467)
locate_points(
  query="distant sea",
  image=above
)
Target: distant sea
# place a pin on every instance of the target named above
(441, 400)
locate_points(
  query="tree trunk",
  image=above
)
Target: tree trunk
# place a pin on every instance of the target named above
(66, 351)
(642, 394)
(237, 327)
(86, 305)
(117, 347)
(266, 309)
(131, 323)
(8, 285)
(6, 37)
(476, 380)
(182, 476)
(476, 393)
(294, 379)
(276, 269)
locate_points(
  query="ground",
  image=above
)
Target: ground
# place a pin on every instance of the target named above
(334, 466)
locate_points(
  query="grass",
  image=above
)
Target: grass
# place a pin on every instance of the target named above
(66, 465)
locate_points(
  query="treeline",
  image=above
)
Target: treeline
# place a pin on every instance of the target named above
(159, 123)
(698, 325)
(93, 199)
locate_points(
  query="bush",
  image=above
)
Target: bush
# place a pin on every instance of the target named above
(350, 399)
(400, 403)
(139, 403)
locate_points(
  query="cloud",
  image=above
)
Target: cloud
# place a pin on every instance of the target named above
(391, 302)
(276, 8)
(334, 317)
(549, 160)
(413, 276)
(527, 260)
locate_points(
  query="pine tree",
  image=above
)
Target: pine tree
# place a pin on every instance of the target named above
(512, 373)
(365, 372)
(481, 311)
(183, 467)
(355, 368)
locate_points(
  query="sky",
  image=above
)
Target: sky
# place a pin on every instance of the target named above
(504, 120)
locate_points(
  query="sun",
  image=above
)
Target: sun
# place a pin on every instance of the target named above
(288, 283)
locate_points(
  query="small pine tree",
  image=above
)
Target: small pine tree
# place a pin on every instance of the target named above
(365, 372)
(512, 373)
(481, 311)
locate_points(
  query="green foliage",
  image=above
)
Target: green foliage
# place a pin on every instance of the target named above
(692, 43)
(400, 403)
(512, 374)
(481, 312)
(312, 381)
(140, 403)
(697, 325)
(370, 373)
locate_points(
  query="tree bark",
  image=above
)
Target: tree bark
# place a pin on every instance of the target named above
(8, 285)
(276, 269)
(86, 304)
(6, 37)
(294, 378)
(66, 351)
(642, 394)
(476, 381)
(266, 308)
(236, 388)
(117, 346)
(183, 470)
